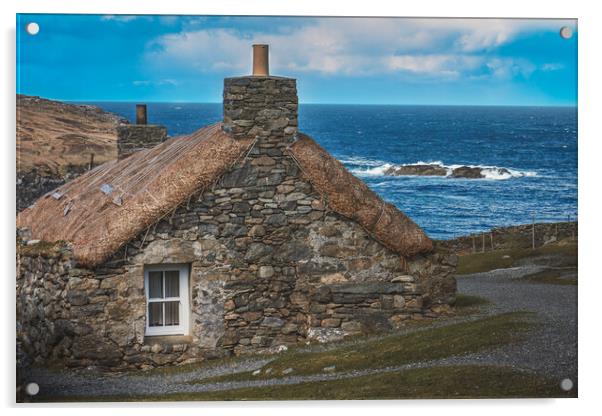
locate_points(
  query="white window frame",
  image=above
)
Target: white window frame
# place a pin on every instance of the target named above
(184, 307)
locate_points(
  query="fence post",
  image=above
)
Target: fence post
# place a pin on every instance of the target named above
(483, 242)
(574, 228)
(474, 244)
(491, 236)
(533, 232)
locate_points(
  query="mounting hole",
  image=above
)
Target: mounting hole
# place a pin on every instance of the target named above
(32, 28)
(32, 389)
(566, 384)
(566, 32)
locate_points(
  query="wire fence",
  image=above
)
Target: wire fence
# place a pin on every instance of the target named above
(534, 234)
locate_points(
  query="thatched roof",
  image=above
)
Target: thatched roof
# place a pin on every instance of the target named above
(105, 208)
(350, 197)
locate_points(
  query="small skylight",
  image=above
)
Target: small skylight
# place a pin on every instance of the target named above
(106, 188)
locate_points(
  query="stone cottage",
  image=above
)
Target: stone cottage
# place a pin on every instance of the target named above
(241, 237)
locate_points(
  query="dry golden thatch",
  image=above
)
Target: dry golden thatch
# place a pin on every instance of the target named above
(350, 197)
(108, 206)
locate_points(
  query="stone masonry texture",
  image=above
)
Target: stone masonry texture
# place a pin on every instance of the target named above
(134, 137)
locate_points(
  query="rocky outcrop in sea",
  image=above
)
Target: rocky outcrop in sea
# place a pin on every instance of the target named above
(469, 172)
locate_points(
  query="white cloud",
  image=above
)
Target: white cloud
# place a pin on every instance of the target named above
(442, 64)
(161, 82)
(119, 18)
(357, 46)
(509, 68)
(552, 67)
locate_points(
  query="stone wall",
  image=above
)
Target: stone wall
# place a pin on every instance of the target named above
(77, 317)
(42, 309)
(33, 184)
(134, 137)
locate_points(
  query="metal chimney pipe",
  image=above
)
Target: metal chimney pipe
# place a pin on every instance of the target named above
(141, 114)
(261, 66)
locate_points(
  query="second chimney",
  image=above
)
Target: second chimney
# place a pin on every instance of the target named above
(141, 114)
(134, 137)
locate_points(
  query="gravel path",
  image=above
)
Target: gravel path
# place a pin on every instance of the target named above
(551, 349)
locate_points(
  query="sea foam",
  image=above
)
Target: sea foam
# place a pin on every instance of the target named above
(366, 167)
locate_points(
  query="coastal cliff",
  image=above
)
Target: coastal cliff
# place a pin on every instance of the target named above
(57, 142)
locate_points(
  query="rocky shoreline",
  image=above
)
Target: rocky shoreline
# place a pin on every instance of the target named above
(468, 172)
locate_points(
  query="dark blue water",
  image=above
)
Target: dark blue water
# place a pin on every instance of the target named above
(538, 145)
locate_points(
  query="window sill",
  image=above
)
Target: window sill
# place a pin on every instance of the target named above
(167, 339)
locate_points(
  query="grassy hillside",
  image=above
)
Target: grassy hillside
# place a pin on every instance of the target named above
(53, 137)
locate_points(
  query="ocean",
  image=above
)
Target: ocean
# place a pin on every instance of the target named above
(537, 146)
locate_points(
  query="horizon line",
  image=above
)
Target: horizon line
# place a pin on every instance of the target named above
(573, 105)
(330, 103)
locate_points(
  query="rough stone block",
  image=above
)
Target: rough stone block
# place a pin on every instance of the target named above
(266, 272)
(351, 326)
(367, 288)
(330, 323)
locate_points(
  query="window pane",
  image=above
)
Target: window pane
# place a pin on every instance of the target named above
(155, 285)
(172, 313)
(172, 284)
(155, 314)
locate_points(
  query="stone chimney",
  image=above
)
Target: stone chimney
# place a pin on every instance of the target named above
(261, 105)
(134, 137)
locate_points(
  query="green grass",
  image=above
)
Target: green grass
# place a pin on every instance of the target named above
(491, 260)
(467, 381)
(42, 248)
(469, 302)
(435, 382)
(554, 277)
(428, 344)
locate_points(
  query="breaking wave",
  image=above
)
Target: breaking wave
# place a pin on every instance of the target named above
(366, 167)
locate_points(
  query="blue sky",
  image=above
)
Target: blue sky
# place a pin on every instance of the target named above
(335, 60)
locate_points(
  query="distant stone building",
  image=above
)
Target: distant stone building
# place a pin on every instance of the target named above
(132, 138)
(241, 237)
